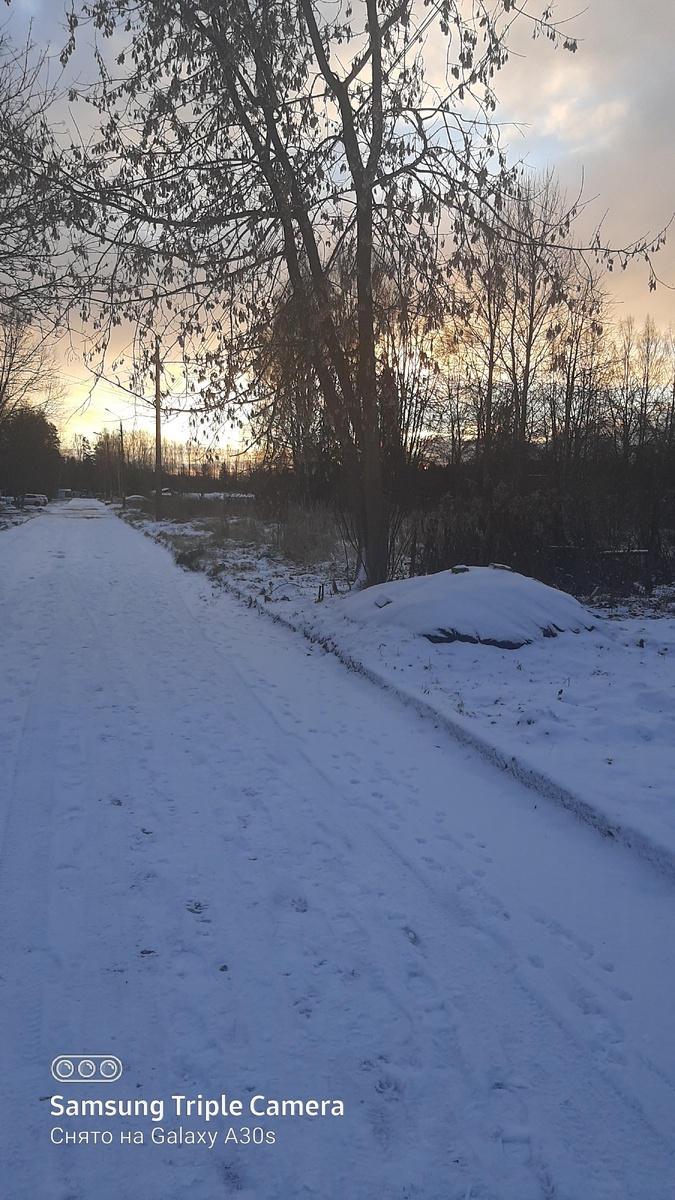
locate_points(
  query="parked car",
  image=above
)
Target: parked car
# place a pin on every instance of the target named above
(34, 500)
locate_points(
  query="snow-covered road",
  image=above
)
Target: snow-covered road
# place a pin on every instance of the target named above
(247, 872)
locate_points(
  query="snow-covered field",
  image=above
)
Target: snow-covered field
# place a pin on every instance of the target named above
(248, 872)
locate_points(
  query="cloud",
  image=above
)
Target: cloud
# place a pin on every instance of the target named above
(605, 114)
(584, 122)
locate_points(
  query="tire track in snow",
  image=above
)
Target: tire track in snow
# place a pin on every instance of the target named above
(379, 1115)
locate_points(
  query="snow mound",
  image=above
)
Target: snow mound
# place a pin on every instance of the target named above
(80, 507)
(471, 604)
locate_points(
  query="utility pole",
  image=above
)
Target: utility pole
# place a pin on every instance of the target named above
(122, 466)
(158, 436)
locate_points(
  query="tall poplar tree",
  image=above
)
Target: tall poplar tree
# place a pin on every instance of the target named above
(246, 146)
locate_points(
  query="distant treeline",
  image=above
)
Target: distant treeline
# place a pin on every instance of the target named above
(564, 469)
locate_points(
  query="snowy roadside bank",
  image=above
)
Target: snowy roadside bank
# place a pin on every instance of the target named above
(586, 719)
(11, 516)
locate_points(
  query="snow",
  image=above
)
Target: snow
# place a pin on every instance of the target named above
(588, 720)
(82, 503)
(10, 515)
(587, 717)
(247, 871)
(477, 604)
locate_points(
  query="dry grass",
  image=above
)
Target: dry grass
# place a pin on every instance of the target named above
(248, 530)
(307, 536)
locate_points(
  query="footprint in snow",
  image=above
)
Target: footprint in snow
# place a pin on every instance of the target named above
(196, 907)
(432, 864)
(511, 1115)
(388, 1088)
(231, 1177)
(370, 1064)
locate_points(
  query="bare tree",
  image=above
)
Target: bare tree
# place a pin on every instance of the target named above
(35, 279)
(637, 386)
(35, 276)
(28, 376)
(244, 146)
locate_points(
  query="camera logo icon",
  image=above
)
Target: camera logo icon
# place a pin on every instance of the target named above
(86, 1068)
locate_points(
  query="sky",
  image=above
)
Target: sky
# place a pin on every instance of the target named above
(602, 117)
